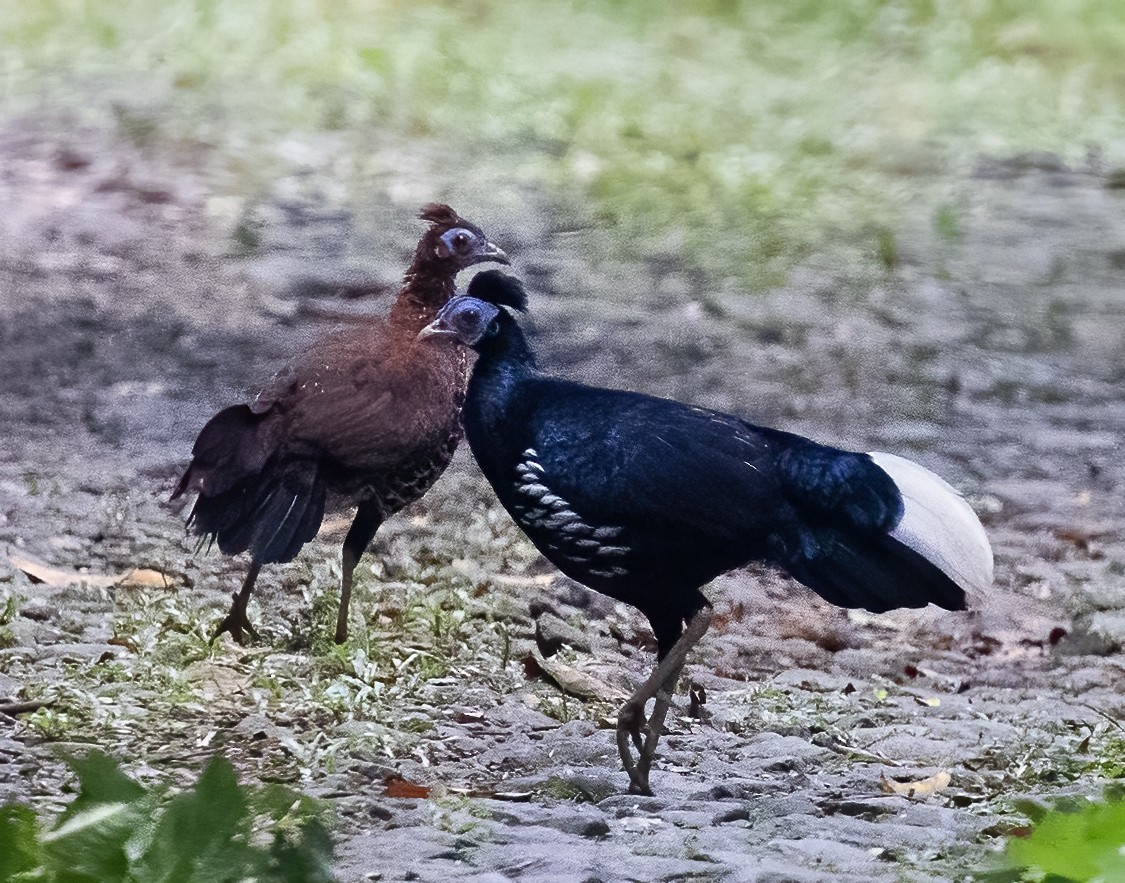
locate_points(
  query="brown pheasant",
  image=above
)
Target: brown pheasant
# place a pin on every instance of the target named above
(366, 416)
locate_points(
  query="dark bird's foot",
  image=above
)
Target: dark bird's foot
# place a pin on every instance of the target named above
(629, 720)
(629, 729)
(236, 622)
(660, 686)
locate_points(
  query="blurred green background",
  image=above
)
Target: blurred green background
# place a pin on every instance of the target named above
(732, 137)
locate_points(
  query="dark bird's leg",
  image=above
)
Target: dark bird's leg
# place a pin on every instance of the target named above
(236, 620)
(366, 523)
(661, 684)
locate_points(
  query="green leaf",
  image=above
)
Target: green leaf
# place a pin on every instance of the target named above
(91, 845)
(116, 832)
(1076, 843)
(203, 834)
(99, 781)
(20, 851)
(88, 843)
(307, 861)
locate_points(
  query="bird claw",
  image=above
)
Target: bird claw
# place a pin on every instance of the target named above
(638, 784)
(236, 622)
(629, 721)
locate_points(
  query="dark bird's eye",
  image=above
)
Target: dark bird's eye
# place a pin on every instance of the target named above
(460, 239)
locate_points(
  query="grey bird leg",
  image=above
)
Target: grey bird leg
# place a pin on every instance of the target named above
(236, 620)
(661, 684)
(366, 523)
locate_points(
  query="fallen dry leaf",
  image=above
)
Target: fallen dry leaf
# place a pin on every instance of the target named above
(542, 579)
(920, 788)
(58, 577)
(397, 786)
(144, 577)
(571, 680)
(334, 524)
(531, 669)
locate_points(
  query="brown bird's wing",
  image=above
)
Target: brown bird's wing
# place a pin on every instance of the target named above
(364, 397)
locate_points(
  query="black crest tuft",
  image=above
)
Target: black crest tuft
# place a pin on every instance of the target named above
(500, 289)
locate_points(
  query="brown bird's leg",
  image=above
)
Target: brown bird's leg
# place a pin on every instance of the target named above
(661, 684)
(366, 523)
(236, 620)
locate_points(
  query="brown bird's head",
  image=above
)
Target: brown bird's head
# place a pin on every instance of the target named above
(450, 245)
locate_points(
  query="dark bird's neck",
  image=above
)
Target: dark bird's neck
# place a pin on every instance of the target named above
(504, 360)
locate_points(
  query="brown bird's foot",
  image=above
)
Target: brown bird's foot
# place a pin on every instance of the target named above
(236, 622)
(629, 729)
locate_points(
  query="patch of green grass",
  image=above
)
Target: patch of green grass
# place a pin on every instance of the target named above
(414, 646)
(730, 137)
(9, 609)
(887, 248)
(55, 724)
(1107, 756)
(947, 223)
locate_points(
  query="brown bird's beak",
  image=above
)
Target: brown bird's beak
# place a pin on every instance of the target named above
(436, 328)
(492, 252)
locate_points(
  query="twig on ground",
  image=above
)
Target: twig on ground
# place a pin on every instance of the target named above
(11, 709)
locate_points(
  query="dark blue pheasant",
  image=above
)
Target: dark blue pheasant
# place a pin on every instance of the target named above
(646, 500)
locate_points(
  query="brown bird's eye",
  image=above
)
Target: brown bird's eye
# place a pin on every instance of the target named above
(460, 239)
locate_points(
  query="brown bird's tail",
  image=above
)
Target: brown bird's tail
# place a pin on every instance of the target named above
(251, 499)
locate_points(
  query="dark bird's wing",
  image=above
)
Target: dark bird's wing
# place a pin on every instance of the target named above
(682, 479)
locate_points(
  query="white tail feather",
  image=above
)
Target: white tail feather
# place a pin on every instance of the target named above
(938, 524)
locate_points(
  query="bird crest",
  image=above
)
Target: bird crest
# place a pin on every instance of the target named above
(500, 289)
(440, 215)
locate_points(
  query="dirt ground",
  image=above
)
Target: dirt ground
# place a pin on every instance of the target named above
(134, 302)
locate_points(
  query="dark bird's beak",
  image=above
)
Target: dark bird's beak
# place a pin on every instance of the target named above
(436, 328)
(491, 252)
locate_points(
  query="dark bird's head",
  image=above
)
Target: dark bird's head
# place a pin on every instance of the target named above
(476, 315)
(451, 244)
(466, 320)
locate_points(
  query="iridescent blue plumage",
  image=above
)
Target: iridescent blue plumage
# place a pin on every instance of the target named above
(646, 499)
